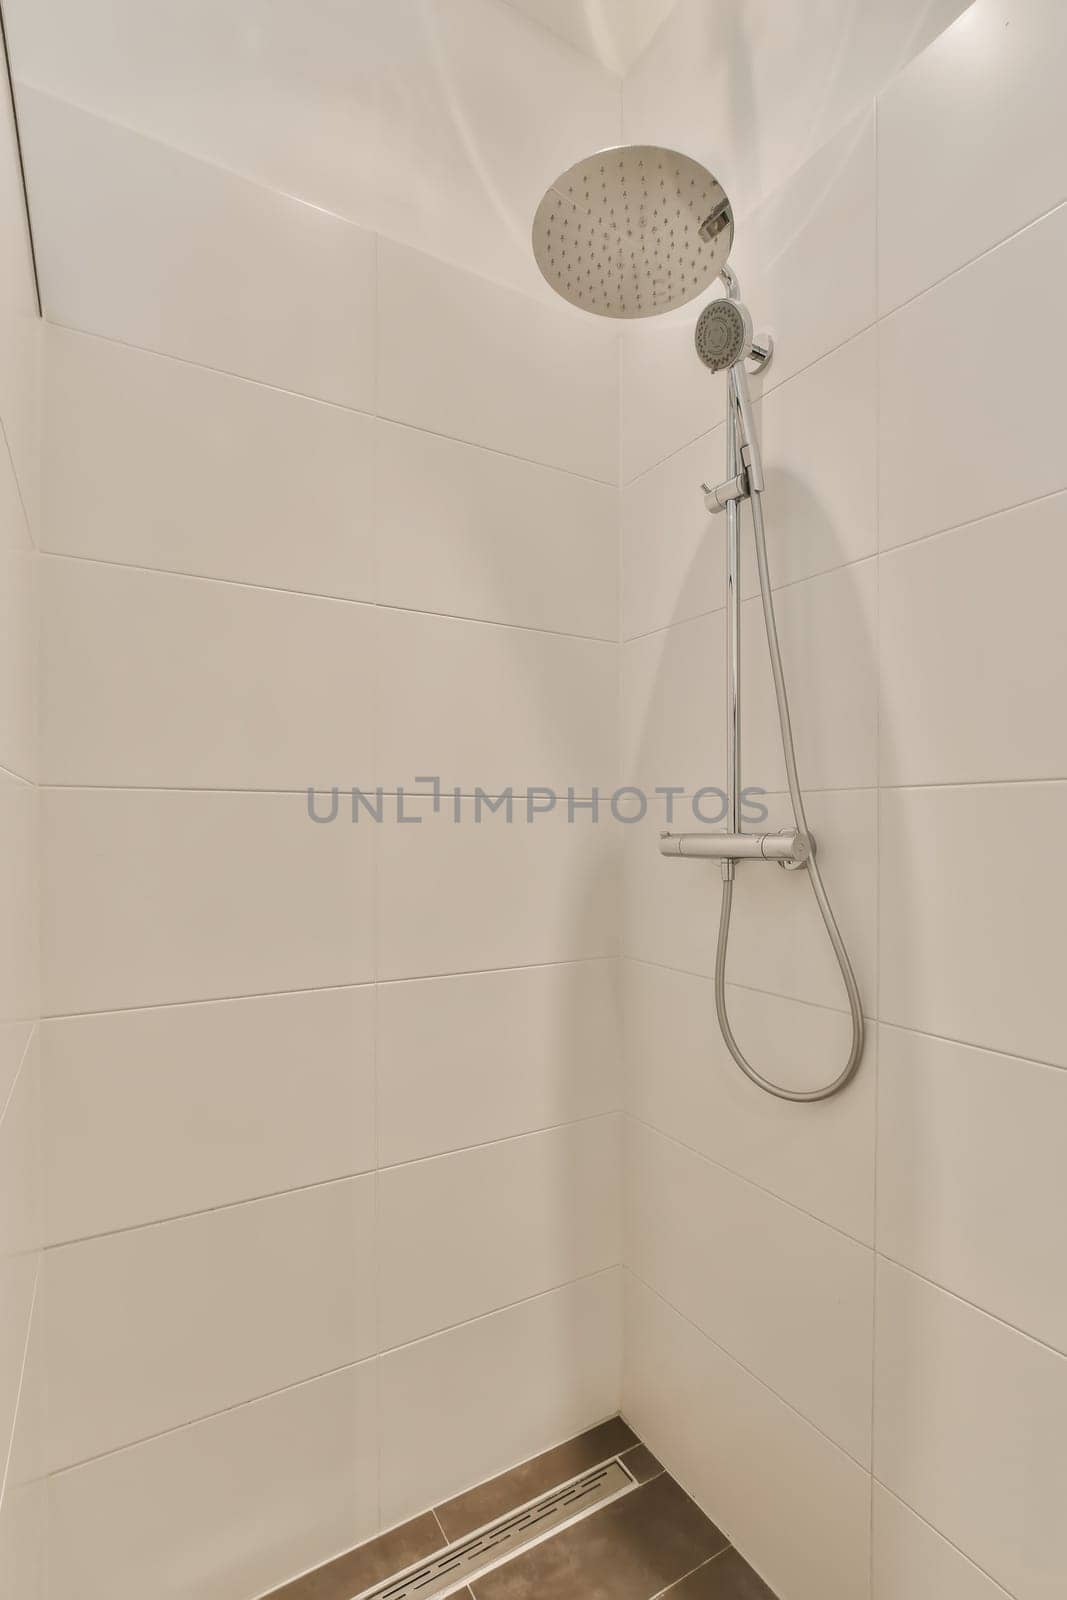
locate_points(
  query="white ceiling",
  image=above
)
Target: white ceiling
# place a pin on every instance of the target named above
(613, 32)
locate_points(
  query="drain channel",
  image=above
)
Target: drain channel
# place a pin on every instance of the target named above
(498, 1541)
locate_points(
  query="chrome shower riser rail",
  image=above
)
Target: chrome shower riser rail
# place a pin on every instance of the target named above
(744, 480)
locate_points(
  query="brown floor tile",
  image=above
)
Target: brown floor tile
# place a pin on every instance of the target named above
(368, 1564)
(725, 1578)
(631, 1550)
(642, 1463)
(500, 1495)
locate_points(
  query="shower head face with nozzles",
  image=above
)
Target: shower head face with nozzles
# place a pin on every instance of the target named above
(633, 231)
(723, 334)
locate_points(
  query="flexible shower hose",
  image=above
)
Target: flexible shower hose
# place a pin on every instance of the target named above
(822, 899)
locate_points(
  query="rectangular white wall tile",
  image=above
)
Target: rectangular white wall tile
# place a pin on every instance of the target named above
(994, 83)
(970, 944)
(489, 707)
(480, 362)
(469, 896)
(154, 1327)
(828, 630)
(475, 533)
(447, 1256)
(463, 1405)
(154, 680)
(681, 1079)
(672, 559)
(962, 629)
(796, 1506)
(960, 436)
(971, 1186)
(160, 463)
(487, 1055)
(234, 1505)
(970, 1419)
(910, 1558)
(270, 288)
(158, 1113)
(673, 718)
(153, 896)
(786, 1296)
(667, 399)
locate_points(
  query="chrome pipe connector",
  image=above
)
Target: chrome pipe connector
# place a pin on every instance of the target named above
(791, 847)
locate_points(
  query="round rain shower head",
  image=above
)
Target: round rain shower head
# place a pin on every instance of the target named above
(723, 334)
(633, 231)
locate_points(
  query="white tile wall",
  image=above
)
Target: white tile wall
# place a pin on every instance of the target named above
(154, 1327)
(483, 1056)
(153, 896)
(232, 1505)
(160, 463)
(471, 897)
(22, 1522)
(979, 113)
(970, 1180)
(447, 1256)
(265, 571)
(538, 709)
(552, 1365)
(969, 948)
(796, 1506)
(969, 1427)
(952, 706)
(270, 288)
(910, 1558)
(162, 1112)
(932, 476)
(742, 1265)
(539, 381)
(474, 533)
(274, 691)
(681, 1080)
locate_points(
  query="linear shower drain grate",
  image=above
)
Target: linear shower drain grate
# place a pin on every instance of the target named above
(497, 1542)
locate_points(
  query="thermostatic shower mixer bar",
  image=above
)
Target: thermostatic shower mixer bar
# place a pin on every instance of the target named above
(633, 232)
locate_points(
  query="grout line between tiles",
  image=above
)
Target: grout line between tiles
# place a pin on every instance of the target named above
(331, 1372)
(10, 1450)
(664, 1594)
(866, 1245)
(321, 400)
(376, 1173)
(943, 1536)
(878, 756)
(325, 988)
(371, 605)
(23, 1058)
(972, 1305)
(788, 1404)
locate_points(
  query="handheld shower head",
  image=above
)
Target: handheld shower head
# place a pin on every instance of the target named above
(723, 334)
